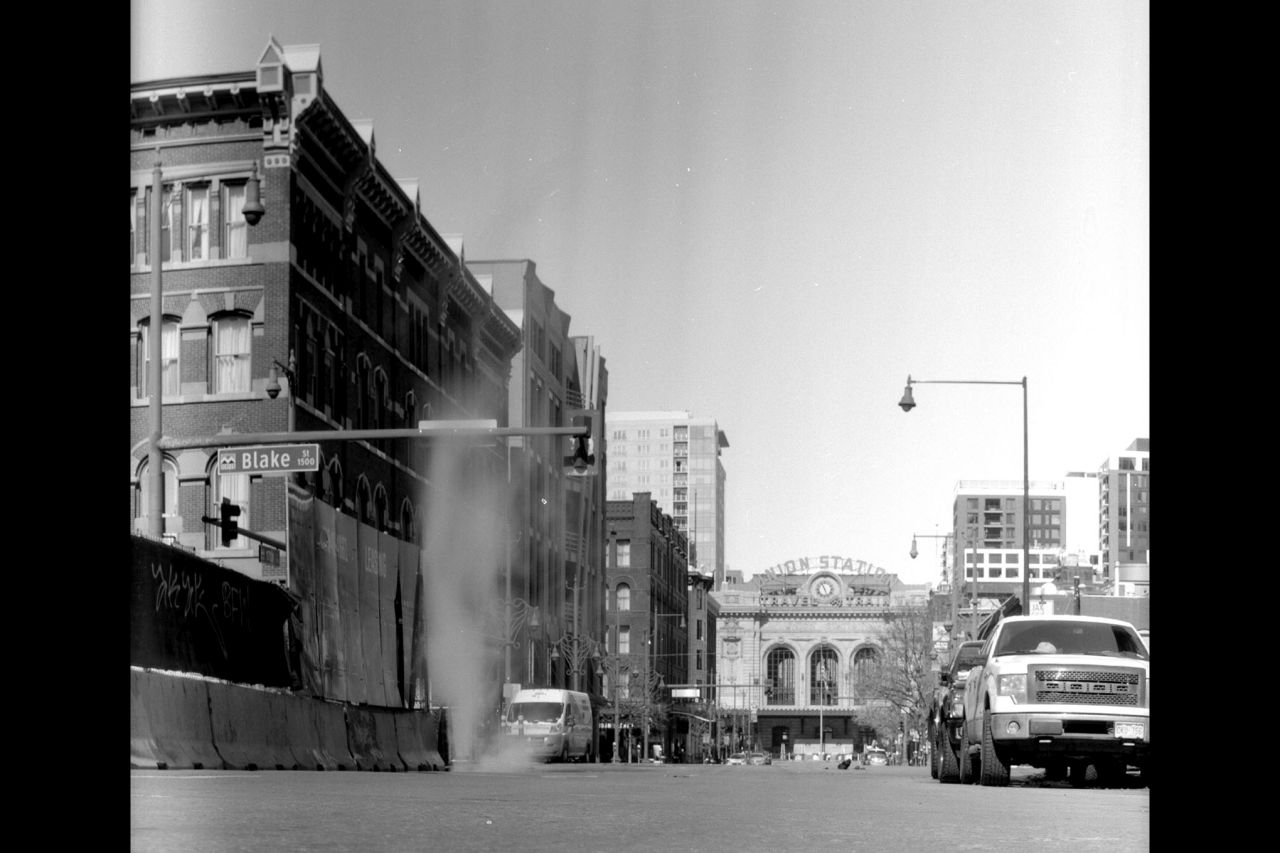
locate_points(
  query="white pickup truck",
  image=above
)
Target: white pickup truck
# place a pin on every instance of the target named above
(1060, 693)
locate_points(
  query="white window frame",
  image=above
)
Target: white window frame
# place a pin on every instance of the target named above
(196, 243)
(170, 349)
(232, 368)
(235, 230)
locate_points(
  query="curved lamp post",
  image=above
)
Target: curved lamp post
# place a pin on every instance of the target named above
(908, 403)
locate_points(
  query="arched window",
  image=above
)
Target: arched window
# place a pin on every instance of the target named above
(381, 509)
(142, 501)
(865, 661)
(331, 491)
(364, 502)
(170, 378)
(624, 597)
(408, 531)
(780, 669)
(232, 353)
(824, 681)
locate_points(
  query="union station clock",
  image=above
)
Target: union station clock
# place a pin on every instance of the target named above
(825, 589)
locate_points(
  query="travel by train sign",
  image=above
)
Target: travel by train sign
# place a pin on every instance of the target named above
(273, 459)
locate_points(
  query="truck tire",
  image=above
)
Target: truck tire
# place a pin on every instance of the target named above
(948, 761)
(994, 771)
(934, 751)
(965, 761)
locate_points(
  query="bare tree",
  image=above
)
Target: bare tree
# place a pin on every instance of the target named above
(900, 678)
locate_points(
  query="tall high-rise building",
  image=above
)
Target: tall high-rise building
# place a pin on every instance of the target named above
(1124, 515)
(675, 457)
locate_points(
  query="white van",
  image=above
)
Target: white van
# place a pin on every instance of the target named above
(551, 724)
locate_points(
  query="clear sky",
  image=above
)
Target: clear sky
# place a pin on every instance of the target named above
(771, 213)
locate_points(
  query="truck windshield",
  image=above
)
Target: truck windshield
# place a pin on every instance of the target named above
(535, 712)
(1070, 638)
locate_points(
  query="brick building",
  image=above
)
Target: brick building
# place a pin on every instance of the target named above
(366, 313)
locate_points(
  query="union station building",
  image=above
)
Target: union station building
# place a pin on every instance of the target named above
(790, 642)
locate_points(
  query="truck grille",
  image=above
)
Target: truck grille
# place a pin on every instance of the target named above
(1087, 686)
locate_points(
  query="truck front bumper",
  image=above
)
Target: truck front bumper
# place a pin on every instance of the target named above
(1021, 734)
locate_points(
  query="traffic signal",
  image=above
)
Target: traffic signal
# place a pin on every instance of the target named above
(581, 461)
(230, 530)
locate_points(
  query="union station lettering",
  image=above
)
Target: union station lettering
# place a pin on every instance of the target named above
(827, 562)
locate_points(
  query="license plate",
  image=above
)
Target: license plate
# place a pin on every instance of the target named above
(1130, 730)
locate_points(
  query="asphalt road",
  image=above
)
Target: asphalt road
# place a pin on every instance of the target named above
(787, 806)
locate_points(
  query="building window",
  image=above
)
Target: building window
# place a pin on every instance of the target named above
(235, 231)
(169, 472)
(231, 354)
(780, 673)
(196, 209)
(699, 637)
(624, 554)
(235, 488)
(169, 348)
(133, 228)
(824, 683)
(624, 641)
(624, 597)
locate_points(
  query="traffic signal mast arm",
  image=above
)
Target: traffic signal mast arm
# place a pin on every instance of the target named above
(424, 430)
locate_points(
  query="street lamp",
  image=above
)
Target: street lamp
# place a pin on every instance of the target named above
(955, 579)
(273, 384)
(253, 212)
(908, 403)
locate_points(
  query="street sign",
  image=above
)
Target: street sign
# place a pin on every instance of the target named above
(273, 459)
(684, 693)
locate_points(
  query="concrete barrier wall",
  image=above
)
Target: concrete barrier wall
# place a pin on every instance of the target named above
(333, 741)
(416, 740)
(186, 722)
(247, 731)
(372, 750)
(169, 722)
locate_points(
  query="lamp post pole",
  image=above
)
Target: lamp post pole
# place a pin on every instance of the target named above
(908, 403)
(155, 372)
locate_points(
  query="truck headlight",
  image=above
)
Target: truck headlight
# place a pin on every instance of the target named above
(1014, 687)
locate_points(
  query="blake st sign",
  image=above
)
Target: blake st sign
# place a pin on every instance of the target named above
(274, 459)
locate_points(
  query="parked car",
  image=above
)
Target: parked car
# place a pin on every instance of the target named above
(736, 758)
(759, 759)
(875, 756)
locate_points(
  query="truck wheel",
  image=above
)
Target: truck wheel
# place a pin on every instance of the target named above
(1080, 774)
(994, 771)
(948, 761)
(963, 759)
(934, 752)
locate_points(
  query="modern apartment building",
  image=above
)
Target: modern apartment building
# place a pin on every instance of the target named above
(1124, 510)
(675, 457)
(987, 524)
